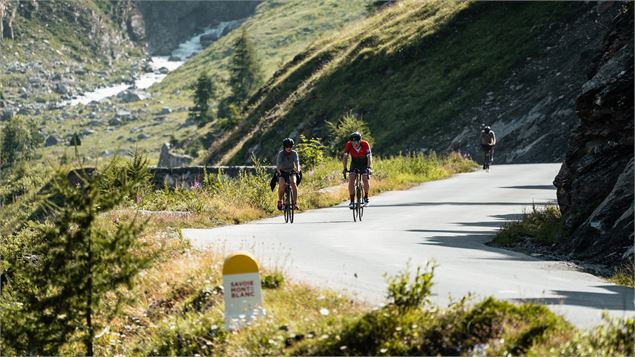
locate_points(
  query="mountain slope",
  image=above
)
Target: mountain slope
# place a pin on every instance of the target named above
(425, 75)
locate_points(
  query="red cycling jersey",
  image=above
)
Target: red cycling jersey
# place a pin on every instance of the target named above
(358, 157)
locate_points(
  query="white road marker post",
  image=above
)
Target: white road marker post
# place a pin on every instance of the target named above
(242, 291)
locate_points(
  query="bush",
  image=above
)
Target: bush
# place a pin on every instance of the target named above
(542, 226)
(405, 295)
(272, 281)
(339, 132)
(311, 152)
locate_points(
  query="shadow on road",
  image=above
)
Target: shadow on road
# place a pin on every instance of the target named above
(616, 298)
(533, 187)
(465, 204)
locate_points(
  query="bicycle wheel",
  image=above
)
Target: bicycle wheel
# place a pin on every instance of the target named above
(355, 204)
(291, 206)
(287, 213)
(360, 204)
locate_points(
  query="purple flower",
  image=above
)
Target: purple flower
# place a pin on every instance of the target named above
(197, 185)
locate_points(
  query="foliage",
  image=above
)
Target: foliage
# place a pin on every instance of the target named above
(58, 273)
(340, 132)
(186, 336)
(311, 152)
(542, 226)
(624, 275)
(408, 295)
(18, 142)
(204, 91)
(231, 116)
(245, 74)
(272, 281)
(614, 337)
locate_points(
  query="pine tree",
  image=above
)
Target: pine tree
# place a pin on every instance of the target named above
(57, 274)
(204, 91)
(245, 72)
(18, 142)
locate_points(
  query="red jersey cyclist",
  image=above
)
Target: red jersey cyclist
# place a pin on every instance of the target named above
(361, 159)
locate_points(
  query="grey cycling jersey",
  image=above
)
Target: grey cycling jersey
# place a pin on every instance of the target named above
(287, 162)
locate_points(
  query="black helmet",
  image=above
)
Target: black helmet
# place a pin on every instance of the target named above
(356, 136)
(486, 128)
(288, 143)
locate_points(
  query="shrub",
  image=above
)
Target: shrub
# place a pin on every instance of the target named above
(542, 226)
(406, 295)
(339, 132)
(311, 152)
(272, 281)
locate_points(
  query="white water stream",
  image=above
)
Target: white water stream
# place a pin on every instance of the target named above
(183, 51)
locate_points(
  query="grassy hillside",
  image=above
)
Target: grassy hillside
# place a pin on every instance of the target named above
(279, 30)
(410, 70)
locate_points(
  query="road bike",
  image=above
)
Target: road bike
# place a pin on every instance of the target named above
(358, 197)
(487, 158)
(288, 200)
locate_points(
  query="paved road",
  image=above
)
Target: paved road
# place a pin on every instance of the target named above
(447, 221)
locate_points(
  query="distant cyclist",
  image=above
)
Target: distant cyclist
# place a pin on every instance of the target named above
(488, 142)
(287, 166)
(361, 159)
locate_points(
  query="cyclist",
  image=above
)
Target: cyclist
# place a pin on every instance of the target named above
(488, 142)
(287, 167)
(361, 159)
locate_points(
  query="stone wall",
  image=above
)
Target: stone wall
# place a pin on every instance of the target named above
(190, 176)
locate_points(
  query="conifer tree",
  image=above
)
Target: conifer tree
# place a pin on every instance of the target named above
(245, 72)
(56, 274)
(204, 91)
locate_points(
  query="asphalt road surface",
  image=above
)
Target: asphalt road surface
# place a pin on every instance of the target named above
(448, 221)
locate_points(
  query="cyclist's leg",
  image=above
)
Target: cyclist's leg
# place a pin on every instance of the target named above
(281, 188)
(366, 185)
(491, 155)
(351, 184)
(294, 189)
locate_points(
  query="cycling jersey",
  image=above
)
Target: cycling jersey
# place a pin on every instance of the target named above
(359, 158)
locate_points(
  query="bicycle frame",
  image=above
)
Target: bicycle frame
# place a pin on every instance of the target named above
(358, 210)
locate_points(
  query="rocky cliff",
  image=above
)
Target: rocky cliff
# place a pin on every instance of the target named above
(168, 23)
(595, 183)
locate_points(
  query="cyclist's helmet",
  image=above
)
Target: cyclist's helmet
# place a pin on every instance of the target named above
(288, 143)
(486, 129)
(356, 136)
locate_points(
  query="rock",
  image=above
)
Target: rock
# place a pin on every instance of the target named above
(61, 88)
(105, 153)
(132, 95)
(595, 182)
(85, 132)
(96, 122)
(174, 58)
(143, 136)
(170, 160)
(51, 141)
(123, 115)
(165, 110)
(115, 121)
(164, 70)
(208, 39)
(131, 140)
(7, 114)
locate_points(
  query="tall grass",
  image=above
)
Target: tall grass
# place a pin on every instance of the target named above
(233, 200)
(541, 226)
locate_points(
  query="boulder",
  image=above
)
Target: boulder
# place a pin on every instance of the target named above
(132, 95)
(208, 39)
(61, 88)
(115, 121)
(171, 160)
(165, 110)
(51, 141)
(174, 58)
(164, 70)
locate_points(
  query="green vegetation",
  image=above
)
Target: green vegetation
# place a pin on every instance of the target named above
(410, 70)
(58, 273)
(18, 141)
(311, 151)
(340, 132)
(542, 226)
(245, 75)
(203, 93)
(624, 275)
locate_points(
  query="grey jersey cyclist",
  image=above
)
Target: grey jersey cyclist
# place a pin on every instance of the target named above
(287, 166)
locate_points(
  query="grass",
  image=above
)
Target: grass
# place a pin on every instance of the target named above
(624, 275)
(409, 71)
(541, 226)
